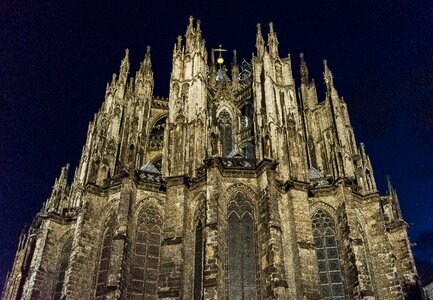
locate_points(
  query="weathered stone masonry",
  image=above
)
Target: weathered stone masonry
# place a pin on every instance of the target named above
(240, 186)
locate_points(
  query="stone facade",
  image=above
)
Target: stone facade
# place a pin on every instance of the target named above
(240, 187)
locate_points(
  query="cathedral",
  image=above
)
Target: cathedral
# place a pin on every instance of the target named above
(242, 184)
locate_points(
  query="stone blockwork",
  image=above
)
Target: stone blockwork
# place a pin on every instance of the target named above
(240, 185)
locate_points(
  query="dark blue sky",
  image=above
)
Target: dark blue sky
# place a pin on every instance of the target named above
(56, 57)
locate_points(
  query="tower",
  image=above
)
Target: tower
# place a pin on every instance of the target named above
(239, 185)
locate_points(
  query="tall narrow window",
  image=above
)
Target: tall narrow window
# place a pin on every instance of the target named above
(146, 250)
(104, 264)
(225, 128)
(198, 262)
(63, 265)
(241, 249)
(331, 280)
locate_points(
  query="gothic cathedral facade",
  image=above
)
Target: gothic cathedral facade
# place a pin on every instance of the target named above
(240, 185)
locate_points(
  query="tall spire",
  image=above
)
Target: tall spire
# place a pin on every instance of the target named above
(144, 76)
(124, 68)
(272, 41)
(146, 65)
(57, 200)
(260, 42)
(190, 34)
(327, 76)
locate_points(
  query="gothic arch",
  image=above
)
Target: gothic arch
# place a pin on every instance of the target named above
(62, 264)
(146, 248)
(242, 258)
(246, 190)
(199, 210)
(199, 223)
(156, 133)
(328, 254)
(146, 201)
(104, 256)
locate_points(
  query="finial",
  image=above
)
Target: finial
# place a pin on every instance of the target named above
(198, 25)
(179, 42)
(191, 19)
(234, 57)
(259, 28)
(271, 27)
(220, 59)
(126, 52)
(148, 50)
(301, 55)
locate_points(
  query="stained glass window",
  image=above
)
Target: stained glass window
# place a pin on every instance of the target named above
(63, 265)
(146, 250)
(104, 264)
(241, 249)
(330, 278)
(198, 262)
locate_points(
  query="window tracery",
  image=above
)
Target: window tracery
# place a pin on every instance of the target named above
(198, 261)
(63, 265)
(241, 249)
(104, 264)
(146, 254)
(330, 277)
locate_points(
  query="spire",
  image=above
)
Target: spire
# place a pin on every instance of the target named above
(393, 198)
(303, 70)
(190, 34)
(327, 76)
(272, 41)
(146, 65)
(144, 76)
(124, 67)
(260, 42)
(190, 28)
(390, 189)
(59, 191)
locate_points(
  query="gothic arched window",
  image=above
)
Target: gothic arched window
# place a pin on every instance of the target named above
(225, 128)
(331, 280)
(146, 250)
(156, 138)
(198, 261)
(241, 249)
(63, 265)
(104, 264)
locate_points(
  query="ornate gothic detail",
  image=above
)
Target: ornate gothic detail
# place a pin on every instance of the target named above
(165, 204)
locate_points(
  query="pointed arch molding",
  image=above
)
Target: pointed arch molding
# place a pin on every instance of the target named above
(242, 250)
(199, 209)
(246, 190)
(145, 251)
(328, 252)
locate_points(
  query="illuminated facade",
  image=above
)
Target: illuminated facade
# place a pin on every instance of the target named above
(240, 185)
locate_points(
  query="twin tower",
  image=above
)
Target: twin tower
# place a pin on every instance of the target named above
(240, 186)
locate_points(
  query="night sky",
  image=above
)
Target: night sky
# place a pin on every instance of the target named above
(56, 57)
